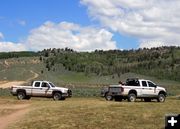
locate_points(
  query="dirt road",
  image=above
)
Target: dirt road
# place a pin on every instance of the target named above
(18, 114)
(8, 84)
(35, 75)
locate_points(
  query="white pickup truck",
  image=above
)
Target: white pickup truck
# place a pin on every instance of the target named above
(41, 89)
(135, 88)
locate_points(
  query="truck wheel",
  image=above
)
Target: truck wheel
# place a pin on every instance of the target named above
(57, 96)
(108, 97)
(21, 95)
(161, 98)
(131, 97)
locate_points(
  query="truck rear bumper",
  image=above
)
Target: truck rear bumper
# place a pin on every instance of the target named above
(116, 94)
(13, 93)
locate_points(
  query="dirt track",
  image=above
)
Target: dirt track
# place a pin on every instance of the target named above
(6, 120)
(6, 84)
(33, 77)
(20, 109)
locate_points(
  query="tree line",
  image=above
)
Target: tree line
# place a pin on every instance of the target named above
(7, 55)
(161, 62)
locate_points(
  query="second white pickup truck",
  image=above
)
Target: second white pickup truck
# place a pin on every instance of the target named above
(135, 88)
(41, 89)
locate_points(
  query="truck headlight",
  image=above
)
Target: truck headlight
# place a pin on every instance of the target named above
(65, 91)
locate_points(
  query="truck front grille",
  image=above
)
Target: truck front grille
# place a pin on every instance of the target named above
(69, 93)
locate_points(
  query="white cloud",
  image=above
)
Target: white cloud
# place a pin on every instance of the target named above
(65, 34)
(150, 44)
(10, 46)
(148, 20)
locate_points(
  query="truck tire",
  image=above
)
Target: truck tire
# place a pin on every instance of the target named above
(108, 97)
(161, 98)
(131, 97)
(57, 96)
(21, 95)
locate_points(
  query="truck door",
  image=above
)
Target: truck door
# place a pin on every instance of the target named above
(36, 90)
(152, 88)
(145, 89)
(46, 91)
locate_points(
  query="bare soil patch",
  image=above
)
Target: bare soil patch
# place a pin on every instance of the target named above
(6, 84)
(18, 112)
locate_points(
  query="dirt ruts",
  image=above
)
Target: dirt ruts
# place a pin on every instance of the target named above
(6, 120)
(8, 84)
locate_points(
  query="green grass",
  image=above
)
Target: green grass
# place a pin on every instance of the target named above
(86, 91)
(96, 113)
(74, 77)
(18, 69)
(4, 92)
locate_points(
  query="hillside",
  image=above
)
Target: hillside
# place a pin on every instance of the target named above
(71, 66)
(162, 63)
(91, 70)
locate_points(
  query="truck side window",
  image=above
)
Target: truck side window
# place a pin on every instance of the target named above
(144, 84)
(37, 84)
(132, 83)
(151, 84)
(137, 83)
(44, 84)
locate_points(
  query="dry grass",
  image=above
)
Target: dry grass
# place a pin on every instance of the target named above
(9, 106)
(96, 113)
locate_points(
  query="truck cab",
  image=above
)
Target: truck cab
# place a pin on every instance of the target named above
(45, 88)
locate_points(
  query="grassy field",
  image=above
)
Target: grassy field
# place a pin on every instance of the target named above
(85, 110)
(92, 113)
(6, 103)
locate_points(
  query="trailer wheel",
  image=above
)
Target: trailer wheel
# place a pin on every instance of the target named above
(108, 97)
(21, 95)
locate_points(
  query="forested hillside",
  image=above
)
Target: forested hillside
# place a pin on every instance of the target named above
(162, 62)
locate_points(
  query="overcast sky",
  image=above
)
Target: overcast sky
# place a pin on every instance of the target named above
(86, 25)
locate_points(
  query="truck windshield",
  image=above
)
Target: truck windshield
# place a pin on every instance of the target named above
(52, 85)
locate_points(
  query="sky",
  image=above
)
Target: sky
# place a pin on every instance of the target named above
(87, 25)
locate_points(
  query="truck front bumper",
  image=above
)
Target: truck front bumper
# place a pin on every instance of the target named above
(68, 94)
